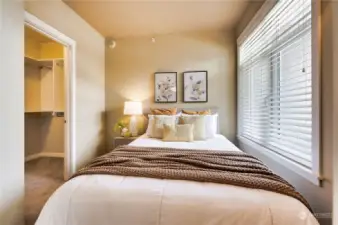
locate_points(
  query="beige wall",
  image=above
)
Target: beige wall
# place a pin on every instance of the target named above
(32, 48)
(130, 69)
(248, 14)
(320, 198)
(11, 113)
(32, 134)
(47, 50)
(90, 80)
(52, 134)
(43, 133)
(51, 50)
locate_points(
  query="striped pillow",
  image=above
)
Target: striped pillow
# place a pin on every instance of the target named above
(169, 111)
(204, 112)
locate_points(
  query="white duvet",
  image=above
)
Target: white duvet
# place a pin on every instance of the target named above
(218, 143)
(120, 200)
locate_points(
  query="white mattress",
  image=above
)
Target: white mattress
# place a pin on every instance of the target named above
(217, 143)
(121, 200)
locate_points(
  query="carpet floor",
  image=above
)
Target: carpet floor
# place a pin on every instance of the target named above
(42, 177)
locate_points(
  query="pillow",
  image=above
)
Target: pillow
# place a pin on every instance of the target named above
(189, 112)
(149, 130)
(169, 111)
(177, 132)
(199, 125)
(150, 116)
(211, 124)
(156, 130)
(151, 120)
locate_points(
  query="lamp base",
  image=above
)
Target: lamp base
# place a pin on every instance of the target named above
(133, 126)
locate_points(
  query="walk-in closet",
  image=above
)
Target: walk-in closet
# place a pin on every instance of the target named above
(44, 119)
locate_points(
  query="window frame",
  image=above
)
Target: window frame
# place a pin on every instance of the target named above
(313, 174)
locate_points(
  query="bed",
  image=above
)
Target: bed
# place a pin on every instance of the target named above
(127, 200)
(219, 143)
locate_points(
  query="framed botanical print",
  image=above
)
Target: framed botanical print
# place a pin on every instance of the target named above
(195, 85)
(165, 87)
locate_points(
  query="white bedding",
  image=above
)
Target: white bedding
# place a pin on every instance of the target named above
(218, 143)
(120, 200)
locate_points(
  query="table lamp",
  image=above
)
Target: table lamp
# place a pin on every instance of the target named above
(132, 109)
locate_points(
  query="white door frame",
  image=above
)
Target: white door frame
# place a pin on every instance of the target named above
(70, 87)
(335, 110)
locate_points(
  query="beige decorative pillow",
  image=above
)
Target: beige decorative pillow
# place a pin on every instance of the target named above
(184, 132)
(169, 111)
(190, 112)
(199, 125)
(159, 121)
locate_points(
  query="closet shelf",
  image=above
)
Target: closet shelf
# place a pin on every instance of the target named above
(41, 113)
(54, 113)
(38, 111)
(39, 62)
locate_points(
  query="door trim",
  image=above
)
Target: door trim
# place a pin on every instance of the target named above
(334, 25)
(70, 87)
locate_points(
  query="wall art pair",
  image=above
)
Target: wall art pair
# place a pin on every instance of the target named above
(195, 87)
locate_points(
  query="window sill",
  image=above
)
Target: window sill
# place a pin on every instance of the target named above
(294, 167)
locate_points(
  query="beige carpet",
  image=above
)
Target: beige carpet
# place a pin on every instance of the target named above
(42, 177)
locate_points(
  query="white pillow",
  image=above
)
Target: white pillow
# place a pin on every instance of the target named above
(151, 122)
(153, 116)
(156, 122)
(211, 124)
(150, 127)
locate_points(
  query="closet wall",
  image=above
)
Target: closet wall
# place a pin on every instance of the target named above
(44, 96)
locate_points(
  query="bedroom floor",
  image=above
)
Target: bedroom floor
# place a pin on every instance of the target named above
(42, 177)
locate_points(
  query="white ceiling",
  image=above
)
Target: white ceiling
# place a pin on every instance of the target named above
(126, 18)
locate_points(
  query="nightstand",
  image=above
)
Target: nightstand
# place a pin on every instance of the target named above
(123, 141)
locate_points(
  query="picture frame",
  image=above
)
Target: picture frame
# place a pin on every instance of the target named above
(195, 86)
(165, 87)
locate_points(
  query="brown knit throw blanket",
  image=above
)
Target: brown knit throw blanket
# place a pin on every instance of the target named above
(224, 167)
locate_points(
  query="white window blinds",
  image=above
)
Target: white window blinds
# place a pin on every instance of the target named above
(275, 82)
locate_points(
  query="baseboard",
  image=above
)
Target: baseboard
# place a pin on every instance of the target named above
(44, 154)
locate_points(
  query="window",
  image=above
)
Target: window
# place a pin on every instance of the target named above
(277, 89)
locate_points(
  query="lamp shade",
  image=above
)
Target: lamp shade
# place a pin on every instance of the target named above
(132, 108)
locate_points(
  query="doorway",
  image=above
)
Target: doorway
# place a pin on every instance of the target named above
(49, 112)
(69, 65)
